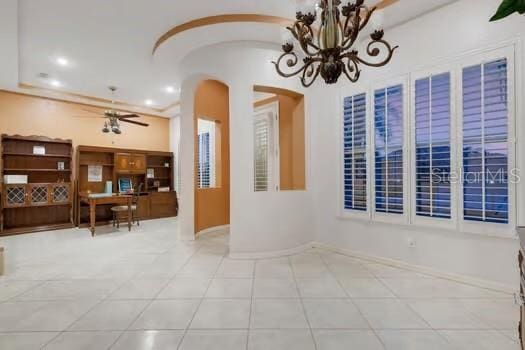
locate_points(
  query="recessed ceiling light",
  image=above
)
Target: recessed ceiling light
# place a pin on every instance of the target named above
(62, 61)
(170, 89)
(148, 102)
(55, 83)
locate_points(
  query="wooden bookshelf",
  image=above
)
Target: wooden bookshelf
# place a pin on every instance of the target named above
(45, 202)
(127, 163)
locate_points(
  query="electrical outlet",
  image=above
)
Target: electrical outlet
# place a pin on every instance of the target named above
(411, 243)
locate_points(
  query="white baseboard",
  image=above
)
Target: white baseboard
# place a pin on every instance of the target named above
(225, 229)
(473, 281)
(274, 254)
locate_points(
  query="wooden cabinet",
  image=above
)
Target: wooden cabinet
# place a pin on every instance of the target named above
(15, 196)
(33, 195)
(163, 204)
(152, 169)
(131, 163)
(45, 201)
(143, 207)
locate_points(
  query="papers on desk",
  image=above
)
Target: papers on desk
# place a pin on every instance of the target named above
(100, 195)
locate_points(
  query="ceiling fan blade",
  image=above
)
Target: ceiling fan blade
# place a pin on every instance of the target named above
(127, 116)
(385, 3)
(133, 122)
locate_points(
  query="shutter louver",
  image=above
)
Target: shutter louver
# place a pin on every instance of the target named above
(485, 147)
(354, 149)
(388, 121)
(262, 153)
(432, 123)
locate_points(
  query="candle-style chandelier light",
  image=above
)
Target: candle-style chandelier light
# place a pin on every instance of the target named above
(329, 50)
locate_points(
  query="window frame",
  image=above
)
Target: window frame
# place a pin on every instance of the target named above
(456, 224)
(343, 212)
(274, 174)
(390, 217)
(489, 228)
(447, 223)
(212, 153)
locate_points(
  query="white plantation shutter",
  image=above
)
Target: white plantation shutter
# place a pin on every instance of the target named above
(262, 149)
(432, 123)
(206, 154)
(204, 160)
(388, 141)
(354, 153)
(485, 147)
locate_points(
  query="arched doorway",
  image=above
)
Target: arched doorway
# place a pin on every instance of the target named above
(212, 156)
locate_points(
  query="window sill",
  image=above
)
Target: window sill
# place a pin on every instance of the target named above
(469, 229)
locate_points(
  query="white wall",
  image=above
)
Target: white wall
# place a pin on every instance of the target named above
(444, 34)
(276, 222)
(9, 44)
(259, 222)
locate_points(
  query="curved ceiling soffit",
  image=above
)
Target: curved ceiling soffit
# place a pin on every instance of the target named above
(202, 73)
(221, 19)
(237, 18)
(253, 44)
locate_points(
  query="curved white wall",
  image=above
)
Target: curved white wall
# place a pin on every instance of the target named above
(260, 223)
(275, 222)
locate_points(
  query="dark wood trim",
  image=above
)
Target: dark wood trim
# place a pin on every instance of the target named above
(36, 139)
(24, 230)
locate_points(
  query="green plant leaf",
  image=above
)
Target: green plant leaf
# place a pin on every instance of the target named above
(521, 7)
(507, 8)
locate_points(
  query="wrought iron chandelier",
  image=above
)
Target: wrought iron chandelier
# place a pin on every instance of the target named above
(329, 50)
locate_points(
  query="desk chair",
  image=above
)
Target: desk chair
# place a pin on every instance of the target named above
(117, 210)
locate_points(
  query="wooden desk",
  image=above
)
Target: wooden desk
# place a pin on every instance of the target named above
(114, 199)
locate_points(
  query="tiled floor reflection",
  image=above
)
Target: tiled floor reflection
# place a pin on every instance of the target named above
(145, 290)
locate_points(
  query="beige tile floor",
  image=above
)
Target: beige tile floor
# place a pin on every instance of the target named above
(146, 290)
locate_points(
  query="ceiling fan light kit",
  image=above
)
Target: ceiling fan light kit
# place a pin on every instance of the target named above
(114, 117)
(329, 50)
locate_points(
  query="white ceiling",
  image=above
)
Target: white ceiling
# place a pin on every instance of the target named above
(111, 42)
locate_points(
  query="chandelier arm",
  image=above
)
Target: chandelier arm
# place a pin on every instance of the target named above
(291, 62)
(310, 73)
(305, 39)
(374, 52)
(349, 42)
(301, 36)
(351, 67)
(369, 13)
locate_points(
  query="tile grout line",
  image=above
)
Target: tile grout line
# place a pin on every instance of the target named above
(397, 297)
(150, 301)
(251, 305)
(376, 334)
(302, 303)
(200, 301)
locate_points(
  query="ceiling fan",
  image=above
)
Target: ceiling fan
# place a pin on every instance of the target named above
(115, 117)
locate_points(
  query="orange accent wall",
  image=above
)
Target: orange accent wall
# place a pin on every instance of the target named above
(291, 143)
(212, 205)
(28, 115)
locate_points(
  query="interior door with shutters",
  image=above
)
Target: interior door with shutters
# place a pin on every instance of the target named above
(266, 149)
